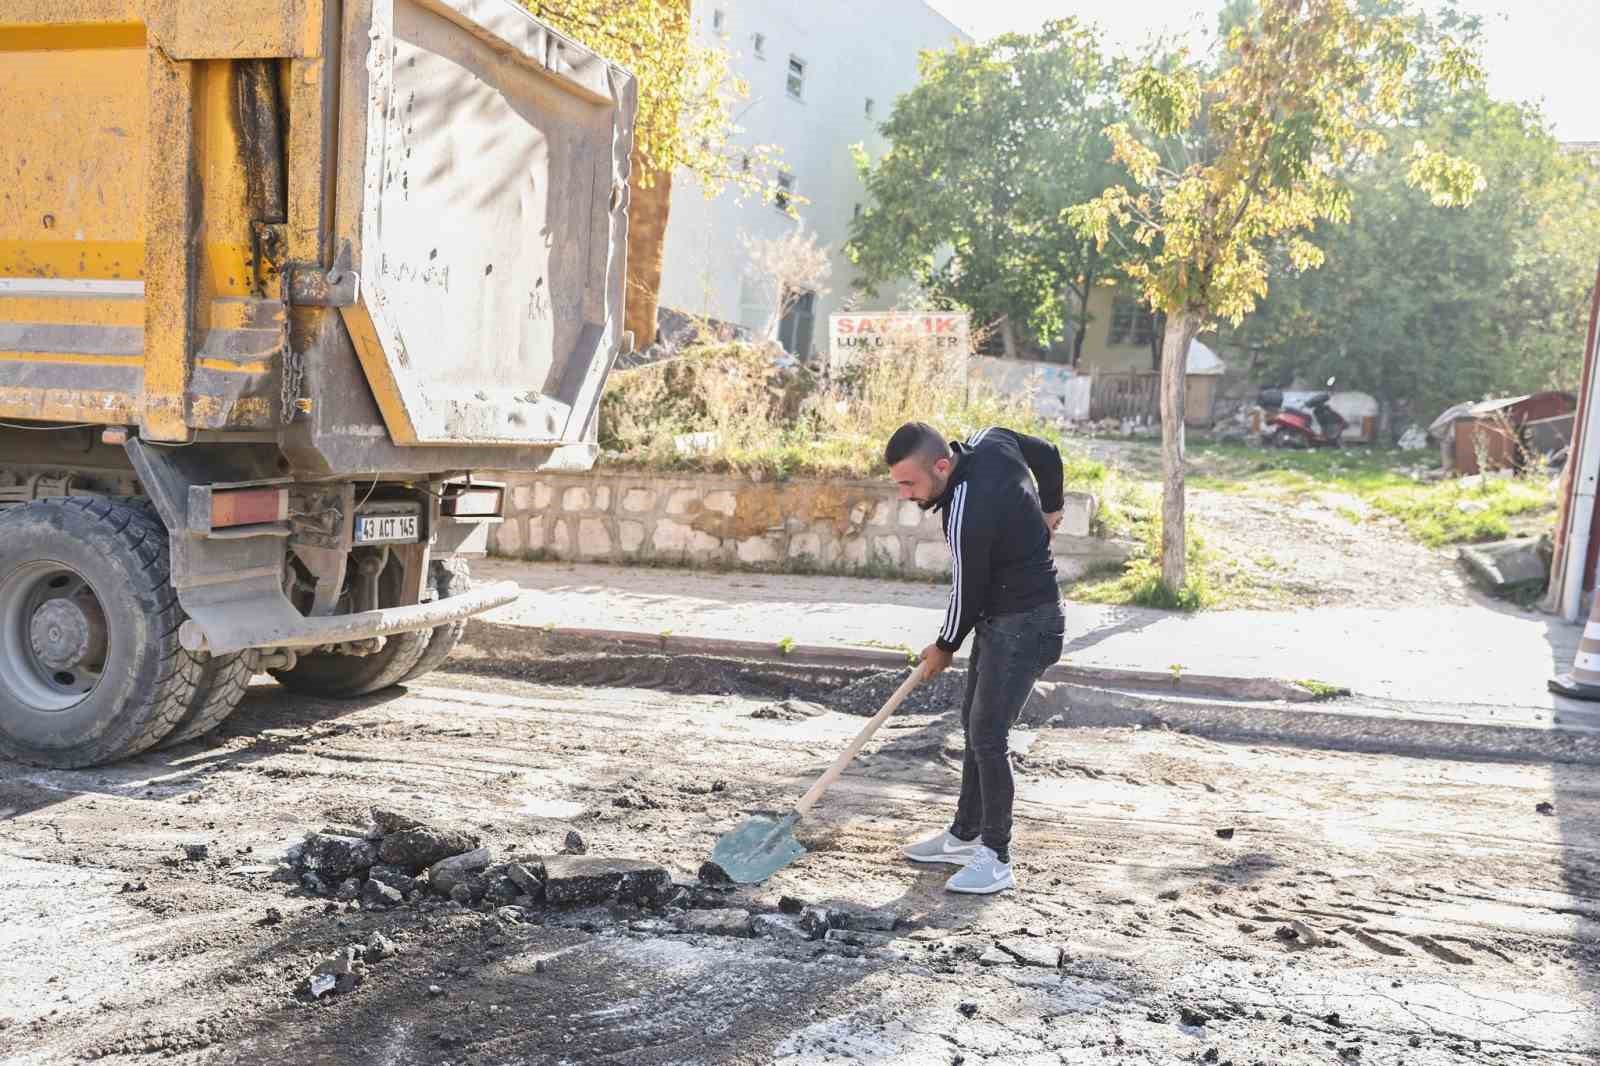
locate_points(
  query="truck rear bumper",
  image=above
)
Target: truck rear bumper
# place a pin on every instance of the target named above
(266, 620)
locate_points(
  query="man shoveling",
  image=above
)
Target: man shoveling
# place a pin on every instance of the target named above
(1000, 498)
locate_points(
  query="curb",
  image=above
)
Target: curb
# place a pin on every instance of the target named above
(497, 640)
(1216, 708)
(1353, 725)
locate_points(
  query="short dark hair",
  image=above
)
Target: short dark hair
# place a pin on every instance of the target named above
(916, 438)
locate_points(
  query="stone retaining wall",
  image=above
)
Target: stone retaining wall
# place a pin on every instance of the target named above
(704, 520)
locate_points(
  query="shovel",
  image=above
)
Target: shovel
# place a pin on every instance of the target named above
(762, 845)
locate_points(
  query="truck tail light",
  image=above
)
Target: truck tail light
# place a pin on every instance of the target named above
(473, 501)
(248, 507)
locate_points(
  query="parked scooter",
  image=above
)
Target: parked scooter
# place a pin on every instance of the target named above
(1317, 425)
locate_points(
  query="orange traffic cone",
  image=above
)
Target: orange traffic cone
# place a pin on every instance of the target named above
(1583, 682)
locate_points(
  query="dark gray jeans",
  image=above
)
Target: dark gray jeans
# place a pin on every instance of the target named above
(1009, 654)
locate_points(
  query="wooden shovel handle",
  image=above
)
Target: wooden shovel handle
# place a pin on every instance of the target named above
(832, 774)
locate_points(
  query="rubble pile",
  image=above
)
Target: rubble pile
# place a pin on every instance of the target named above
(399, 861)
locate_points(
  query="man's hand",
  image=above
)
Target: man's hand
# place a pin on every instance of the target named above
(935, 661)
(1052, 520)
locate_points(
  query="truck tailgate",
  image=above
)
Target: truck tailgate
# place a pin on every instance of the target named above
(483, 185)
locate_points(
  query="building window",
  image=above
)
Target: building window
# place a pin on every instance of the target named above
(758, 44)
(785, 191)
(719, 18)
(797, 78)
(1131, 322)
(871, 105)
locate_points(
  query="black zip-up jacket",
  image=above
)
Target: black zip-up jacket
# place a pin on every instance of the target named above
(994, 521)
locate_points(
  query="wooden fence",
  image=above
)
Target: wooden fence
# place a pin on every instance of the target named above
(1130, 395)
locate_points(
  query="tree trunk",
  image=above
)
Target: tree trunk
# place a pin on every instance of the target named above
(1180, 330)
(647, 238)
(1082, 318)
(1008, 336)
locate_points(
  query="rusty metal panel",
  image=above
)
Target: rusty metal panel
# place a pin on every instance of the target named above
(171, 249)
(493, 201)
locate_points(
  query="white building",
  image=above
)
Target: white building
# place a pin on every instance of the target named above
(823, 75)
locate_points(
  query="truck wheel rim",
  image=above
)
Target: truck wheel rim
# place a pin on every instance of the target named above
(53, 636)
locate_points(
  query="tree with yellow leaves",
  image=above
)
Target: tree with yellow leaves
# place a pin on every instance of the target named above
(685, 119)
(1232, 162)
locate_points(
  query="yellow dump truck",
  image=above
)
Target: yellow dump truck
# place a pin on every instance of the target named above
(275, 277)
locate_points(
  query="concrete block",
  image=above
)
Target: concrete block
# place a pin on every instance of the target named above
(594, 539)
(755, 550)
(703, 546)
(1077, 514)
(886, 549)
(670, 536)
(576, 498)
(1507, 567)
(883, 512)
(535, 539)
(542, 495)
(911, 515)
(858, 515)
(805, 546)
(639, 500)
(508, 537)
(561, 539)
(631, 535)
(521, 497)
(602, 498)
(855, 553)
(722, 502)
(683, 501)
(932, 556)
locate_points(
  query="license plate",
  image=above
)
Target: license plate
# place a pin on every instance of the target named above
(386, 529)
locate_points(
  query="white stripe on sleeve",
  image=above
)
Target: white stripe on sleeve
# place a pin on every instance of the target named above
(958, 508)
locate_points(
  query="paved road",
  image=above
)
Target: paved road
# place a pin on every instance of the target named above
(1452, 923)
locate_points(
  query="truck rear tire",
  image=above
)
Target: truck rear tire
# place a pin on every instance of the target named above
(450, 577)
(348, 676)
(223, 678)
(90, 666)
(221, 686)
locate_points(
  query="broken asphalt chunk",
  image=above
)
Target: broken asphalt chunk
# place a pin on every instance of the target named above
(574, 844)
(727, 921)
(334, 858)
(414, 849)
(713, 875)
(529, 877)
(779, 927)
(376, 894)
(448, 873)
(586, 879)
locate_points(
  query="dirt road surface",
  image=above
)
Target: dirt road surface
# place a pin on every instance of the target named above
(1366, 908)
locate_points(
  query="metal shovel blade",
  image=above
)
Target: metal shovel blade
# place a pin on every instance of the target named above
(758, 848)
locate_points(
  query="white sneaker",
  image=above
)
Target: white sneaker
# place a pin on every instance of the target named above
(983, 875)
(942, 847)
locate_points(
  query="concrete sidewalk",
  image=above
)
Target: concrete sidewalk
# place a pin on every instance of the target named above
(1494, 660)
